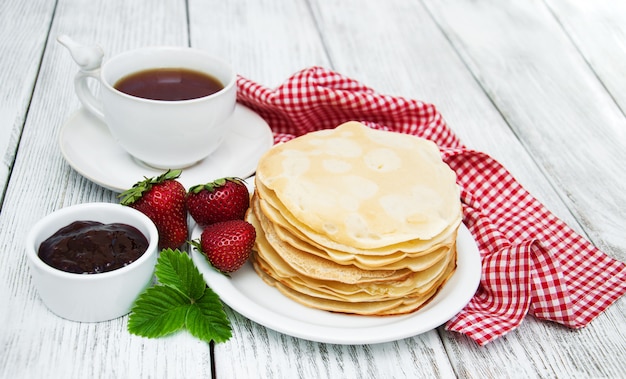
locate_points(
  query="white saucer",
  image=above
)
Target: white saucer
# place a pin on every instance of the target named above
(89, 148)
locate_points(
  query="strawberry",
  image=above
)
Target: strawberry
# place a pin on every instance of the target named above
(221, 200)
(162, 199)
(227, 244)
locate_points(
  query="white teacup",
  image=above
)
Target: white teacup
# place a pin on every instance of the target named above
(160, 133)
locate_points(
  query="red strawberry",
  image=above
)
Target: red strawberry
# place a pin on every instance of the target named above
(228, 244)
(221, 200)
(162, 199)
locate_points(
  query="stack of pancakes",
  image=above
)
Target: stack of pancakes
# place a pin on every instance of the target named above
(356, 220)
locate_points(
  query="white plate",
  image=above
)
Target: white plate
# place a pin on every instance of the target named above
(90, 149)
(247, 294)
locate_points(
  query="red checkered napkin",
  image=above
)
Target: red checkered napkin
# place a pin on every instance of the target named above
(532, 262)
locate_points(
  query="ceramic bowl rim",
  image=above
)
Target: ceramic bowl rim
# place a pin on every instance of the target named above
(90, 210)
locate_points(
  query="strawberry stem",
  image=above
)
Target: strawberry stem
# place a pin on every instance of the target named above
(136, 191)
(212, 186)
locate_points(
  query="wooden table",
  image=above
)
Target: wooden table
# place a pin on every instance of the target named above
(539, 85)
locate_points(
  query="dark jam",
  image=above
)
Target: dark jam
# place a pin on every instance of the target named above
(91, 247)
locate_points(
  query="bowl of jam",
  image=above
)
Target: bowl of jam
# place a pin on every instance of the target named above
(90, 262)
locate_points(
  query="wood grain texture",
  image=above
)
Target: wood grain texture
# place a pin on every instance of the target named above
(266, 40)
(536, 84)
(22, 42)
(34, 342)
(435, 74)
(598, 30)
(553, 102)
(422, 64)
(569, 124)
(272, 42)
(269, 354)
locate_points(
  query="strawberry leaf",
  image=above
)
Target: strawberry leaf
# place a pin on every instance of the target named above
(135, 193)
(206, 319)
(180, 300)
(159, 311)
(214, 185)
(175, 269)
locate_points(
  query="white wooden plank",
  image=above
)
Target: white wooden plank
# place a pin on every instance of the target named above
(392, 46)
(552, 101)
(269, 354)
(411, 57)
(23, 32)
(396, 48)
(33, 342)
(273, 40)
(570, 125)
(598, 29)
(265, 40)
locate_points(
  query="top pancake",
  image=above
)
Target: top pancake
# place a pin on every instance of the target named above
(362, 187)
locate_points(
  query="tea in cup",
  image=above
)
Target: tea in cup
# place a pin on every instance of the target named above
(166, 106)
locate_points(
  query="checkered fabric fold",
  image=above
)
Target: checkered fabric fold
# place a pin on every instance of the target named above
(532, 262)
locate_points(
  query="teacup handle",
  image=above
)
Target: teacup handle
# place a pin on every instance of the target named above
(89, 59)
(86, 97)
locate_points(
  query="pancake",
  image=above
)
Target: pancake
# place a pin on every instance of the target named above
(283, 217)
(355, 220)
(411, 286)
(394, 261)
(363, 187)
(314, 266)
(391, 307)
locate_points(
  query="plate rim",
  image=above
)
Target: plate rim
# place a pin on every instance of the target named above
(267, 141)
(466, 279)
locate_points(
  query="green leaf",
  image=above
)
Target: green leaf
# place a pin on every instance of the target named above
(207, 320)
(157, 312)
(176, 269)
(214, 185)
(170, 175)
(136, 192)
(181, 299)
